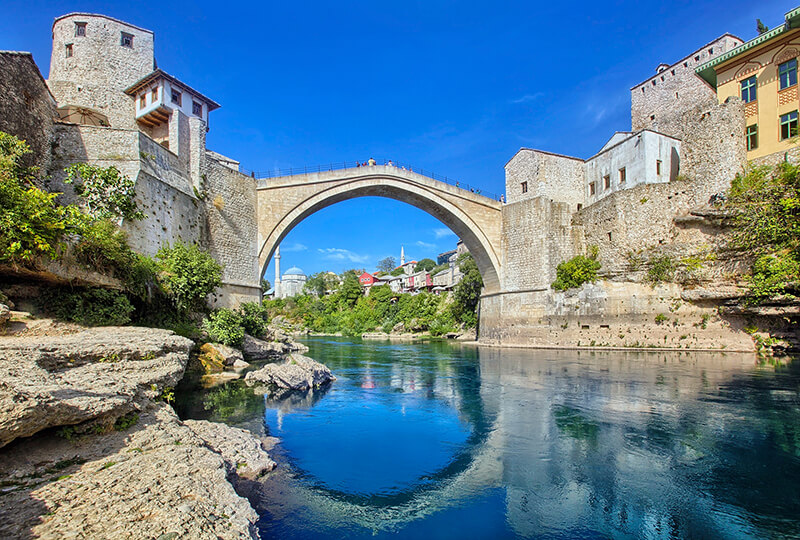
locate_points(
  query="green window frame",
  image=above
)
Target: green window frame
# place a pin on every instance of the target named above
(787, 73)
(789, 125)
(751, 136)
(749, 89)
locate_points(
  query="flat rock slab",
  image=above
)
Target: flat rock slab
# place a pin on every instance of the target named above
(160, 478)
(258, 350)
(298, 372)
(99, 373)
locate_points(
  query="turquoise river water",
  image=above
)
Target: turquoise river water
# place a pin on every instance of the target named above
(439, 440)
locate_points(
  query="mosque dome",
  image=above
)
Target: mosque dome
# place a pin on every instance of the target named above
(294, 271)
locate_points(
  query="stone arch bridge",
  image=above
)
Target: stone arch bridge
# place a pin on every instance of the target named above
(283, 202)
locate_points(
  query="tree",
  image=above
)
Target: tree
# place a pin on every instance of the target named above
(317, 284)
(398, 271)
(425, 264)
(467, 293)
(387, 264)
(265, 285)
(761, 27)
(350, 291)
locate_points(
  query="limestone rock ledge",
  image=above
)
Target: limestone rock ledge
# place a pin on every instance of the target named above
(298, 372)
(98, 374)
(159, 479)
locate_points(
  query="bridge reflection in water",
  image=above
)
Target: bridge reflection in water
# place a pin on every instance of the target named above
(555, 444)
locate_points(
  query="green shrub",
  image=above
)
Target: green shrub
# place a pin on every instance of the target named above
(32, 224)
(225, 326)
(189, 275)
(90, 307)
(772, 274)
(661, 318)
(661, 268)
(577, 271)
(254, 318)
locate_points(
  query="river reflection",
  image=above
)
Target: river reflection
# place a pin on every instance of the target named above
(445, 441)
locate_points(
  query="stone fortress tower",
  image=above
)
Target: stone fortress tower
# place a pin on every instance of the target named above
(115, 107)
(94, 59)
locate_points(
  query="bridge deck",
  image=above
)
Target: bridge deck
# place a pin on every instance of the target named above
(360, 168)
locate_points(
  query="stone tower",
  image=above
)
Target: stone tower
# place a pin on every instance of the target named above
(277, 286)
(94, 59)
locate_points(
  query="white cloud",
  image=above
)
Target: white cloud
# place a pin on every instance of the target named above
(425, 245)
(528, 97)
(442, 232)
(338, 254)
(294, 247)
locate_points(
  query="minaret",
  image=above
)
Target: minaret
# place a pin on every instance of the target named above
(278, 272)
(402, 256)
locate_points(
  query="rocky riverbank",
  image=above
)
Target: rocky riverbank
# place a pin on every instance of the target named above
(92, 448)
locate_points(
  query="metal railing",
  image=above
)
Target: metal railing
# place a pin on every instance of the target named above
(292, 171)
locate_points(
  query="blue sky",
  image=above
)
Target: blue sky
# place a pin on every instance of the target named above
(452, 87)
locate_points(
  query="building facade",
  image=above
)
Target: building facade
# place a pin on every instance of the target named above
(763, 74)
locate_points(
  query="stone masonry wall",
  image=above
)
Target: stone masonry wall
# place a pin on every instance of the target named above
(170, 215)
(676, 89)
(552, 176)
(537, 235)
(27, 109)
(232, 231)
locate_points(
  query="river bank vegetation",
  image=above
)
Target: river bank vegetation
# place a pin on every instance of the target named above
(167, 290)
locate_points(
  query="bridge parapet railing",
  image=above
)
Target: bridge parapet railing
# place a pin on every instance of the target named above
(292, 171)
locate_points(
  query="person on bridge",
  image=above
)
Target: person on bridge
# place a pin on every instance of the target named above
(390, 164)
(372, 162)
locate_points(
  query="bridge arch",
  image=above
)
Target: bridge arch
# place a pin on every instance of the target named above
(285, 202)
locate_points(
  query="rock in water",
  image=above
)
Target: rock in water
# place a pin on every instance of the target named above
(214, 357)
(5, 314)
(298, 372)
(98, 374)
(257, 350)
(238, 447)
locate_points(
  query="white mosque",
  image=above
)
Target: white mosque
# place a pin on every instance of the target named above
(292, 282)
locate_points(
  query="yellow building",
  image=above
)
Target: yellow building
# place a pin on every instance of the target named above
(763, 73)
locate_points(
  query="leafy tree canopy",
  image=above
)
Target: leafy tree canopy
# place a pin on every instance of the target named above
(387, 264)
(425, 264)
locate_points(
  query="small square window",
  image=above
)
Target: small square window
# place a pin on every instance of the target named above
(642, 89)
(662, 78)
(524, 187)
(126, 40)
(580, 206)
(686, 64)
(654, 82)
(80, 29)
(787, 73)
(154, 95)
(68, 50)
(697, 58)
(607, 181)
(711, 50)
(789, 125)
(592, 188)
(142, 101)
(622, 175)
(751, 135)
(652, 117)
(197, 109)
(658, 167)
(673, 72)
(749, 89)
(176, 97)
